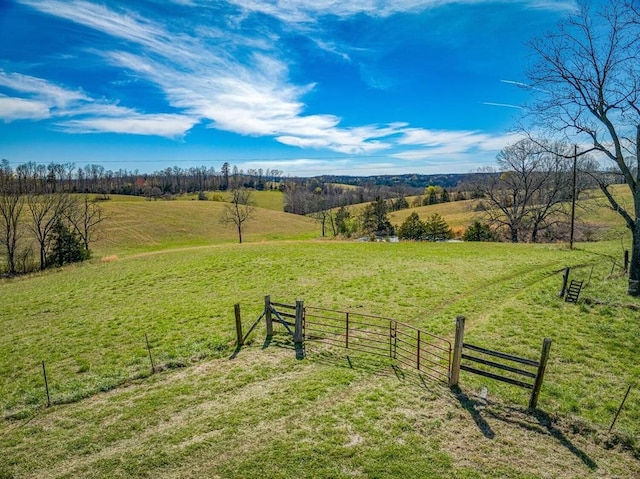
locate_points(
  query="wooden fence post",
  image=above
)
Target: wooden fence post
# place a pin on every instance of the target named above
(236, 309)
(544, 356)
(267, 315)
(298, 336)
(565, 280)
(454, 375)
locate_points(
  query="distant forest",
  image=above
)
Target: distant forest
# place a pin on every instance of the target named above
(165, 183)
(93, 178)
(408, 180)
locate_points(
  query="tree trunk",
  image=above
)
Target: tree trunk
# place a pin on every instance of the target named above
(514, 235)
(240, 233)
(634, 267)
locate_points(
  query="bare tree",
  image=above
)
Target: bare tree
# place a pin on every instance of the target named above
(322, 215)
(11, 204)
(240, 210)
(85, 216)
(586, 83)
(46, 211)
(525, 191)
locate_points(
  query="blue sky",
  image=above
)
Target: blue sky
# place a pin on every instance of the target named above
(307, 87)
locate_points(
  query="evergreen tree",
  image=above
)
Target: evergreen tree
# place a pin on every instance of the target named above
(375, 219)
(342, 217)
(413, 228)
(437, 229)
(66, 247)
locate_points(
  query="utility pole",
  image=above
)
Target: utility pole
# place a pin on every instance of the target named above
(573, 195)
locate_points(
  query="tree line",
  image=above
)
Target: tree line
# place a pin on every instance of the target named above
(94, 178)
(41, 225)
(528, 196)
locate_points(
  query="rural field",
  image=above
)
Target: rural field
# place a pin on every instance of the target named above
(167, 271)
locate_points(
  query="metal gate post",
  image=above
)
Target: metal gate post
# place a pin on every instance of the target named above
(298, 336)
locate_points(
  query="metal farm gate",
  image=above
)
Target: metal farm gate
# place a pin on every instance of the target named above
(399, 343)
(380, 336)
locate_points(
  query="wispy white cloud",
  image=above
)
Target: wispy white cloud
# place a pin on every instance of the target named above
(204, 80)
(452, 145)
(233, 80)
(504, 105)
(48, 92)
(12, 109)
(308, 12)
(169, 126)
(124, 25)
(78, 113)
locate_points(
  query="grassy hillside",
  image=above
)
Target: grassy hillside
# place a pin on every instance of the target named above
(458, 214)
(134, 224)
(593, 214)
(263, 414)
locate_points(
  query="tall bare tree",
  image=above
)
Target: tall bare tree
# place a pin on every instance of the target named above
(85, 216)
(46, 211)
(240, 210)
(586, 84)
(11, 205)
(524, 194)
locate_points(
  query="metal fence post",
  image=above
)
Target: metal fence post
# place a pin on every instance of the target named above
(346, 336)
(418, 352)
(298, 336)
(46, 384)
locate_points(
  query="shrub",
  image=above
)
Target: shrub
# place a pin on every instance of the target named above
(478, 232)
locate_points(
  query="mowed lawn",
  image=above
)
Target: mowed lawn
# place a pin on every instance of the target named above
(264, 414)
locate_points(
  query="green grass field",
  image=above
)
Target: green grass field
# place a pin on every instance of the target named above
(134, 224)
(266, 414)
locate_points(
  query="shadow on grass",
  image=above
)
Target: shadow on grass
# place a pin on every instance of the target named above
(541, 423)
(474, 408)
(378, 366)
(365, 364)
(278, 341)
(546, 426)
